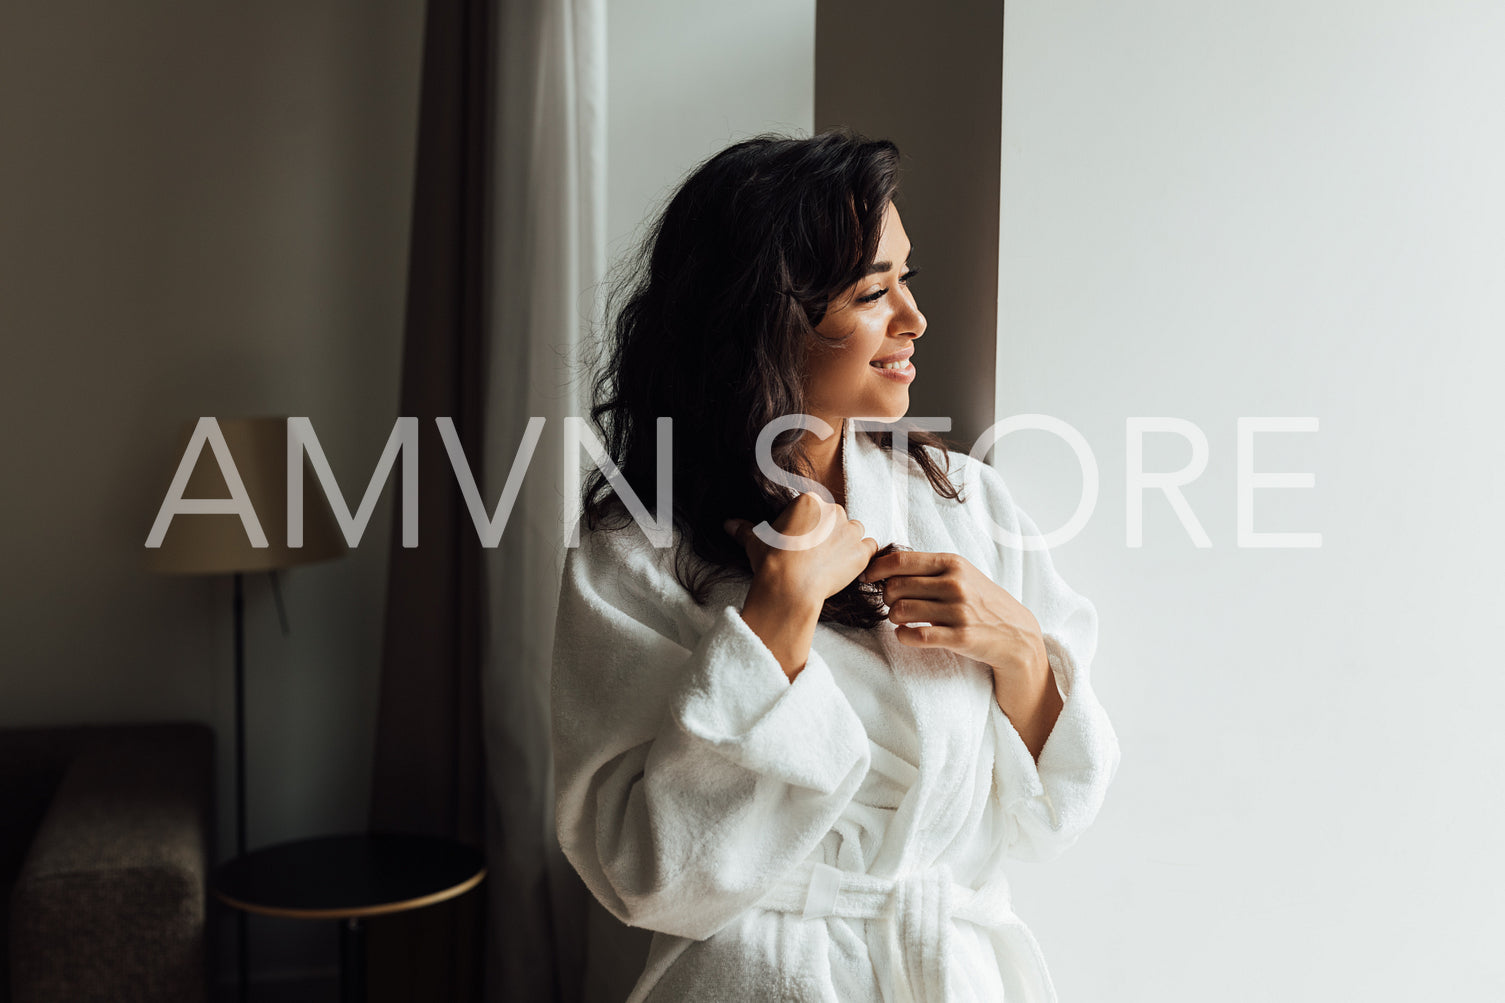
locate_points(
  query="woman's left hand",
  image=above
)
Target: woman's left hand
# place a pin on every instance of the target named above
(967, 613)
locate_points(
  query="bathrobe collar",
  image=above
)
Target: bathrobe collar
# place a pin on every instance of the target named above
(876, 482)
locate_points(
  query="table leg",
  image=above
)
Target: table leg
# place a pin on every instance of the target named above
(352, 960)
(242, 980)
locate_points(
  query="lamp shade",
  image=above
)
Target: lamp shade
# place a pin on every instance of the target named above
(205, 544)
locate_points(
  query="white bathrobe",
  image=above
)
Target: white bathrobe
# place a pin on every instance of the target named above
(842, 837)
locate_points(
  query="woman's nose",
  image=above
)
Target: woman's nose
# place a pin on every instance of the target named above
(910, 321)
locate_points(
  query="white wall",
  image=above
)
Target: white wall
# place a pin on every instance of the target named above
(1216, 209)
(205, 212)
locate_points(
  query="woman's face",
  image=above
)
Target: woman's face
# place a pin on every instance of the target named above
(873, 322)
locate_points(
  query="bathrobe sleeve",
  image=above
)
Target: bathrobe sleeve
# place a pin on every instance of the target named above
(1049, 804)
(690, 773)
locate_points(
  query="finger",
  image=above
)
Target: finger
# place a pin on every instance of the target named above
(921, 611)
(930, 636)
(920, 587)
(738, 529)
(871, 545)
(801, 526)
(909, 562)
(861, 530)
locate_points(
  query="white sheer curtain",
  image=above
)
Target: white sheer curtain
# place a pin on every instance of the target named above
(548, 232)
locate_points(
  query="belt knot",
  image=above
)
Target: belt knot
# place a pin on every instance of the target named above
(919, 910)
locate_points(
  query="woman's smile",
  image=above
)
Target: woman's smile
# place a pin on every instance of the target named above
(899, 366)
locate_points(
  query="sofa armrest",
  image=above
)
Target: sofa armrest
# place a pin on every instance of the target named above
(110, 903)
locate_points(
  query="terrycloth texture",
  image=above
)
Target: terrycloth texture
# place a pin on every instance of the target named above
(840, 837)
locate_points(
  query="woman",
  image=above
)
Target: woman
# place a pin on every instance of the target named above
(758, 754)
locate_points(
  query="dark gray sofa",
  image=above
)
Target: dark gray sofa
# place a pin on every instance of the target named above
(106, 837)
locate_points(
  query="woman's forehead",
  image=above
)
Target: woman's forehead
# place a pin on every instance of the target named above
(893, 242)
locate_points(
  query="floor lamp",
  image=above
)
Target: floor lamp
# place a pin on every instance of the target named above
(218, 544)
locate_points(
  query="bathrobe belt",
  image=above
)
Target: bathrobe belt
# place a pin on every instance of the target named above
(920, 910)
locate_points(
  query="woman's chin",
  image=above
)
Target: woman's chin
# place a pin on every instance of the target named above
(887, 415)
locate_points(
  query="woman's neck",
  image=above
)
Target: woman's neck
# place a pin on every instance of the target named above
(825, 461)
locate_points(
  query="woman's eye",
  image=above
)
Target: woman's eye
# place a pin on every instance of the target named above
(874, 297)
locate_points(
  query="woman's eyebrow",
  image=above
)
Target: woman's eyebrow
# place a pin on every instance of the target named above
(883, 266)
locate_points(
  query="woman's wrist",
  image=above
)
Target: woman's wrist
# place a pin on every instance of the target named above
(784, 620)
(1029, 697)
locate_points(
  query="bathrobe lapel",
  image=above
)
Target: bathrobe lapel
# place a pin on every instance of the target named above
(947, 694)
(875, 490)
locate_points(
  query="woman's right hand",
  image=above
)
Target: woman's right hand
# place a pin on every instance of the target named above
(790, 585)
(824, 550)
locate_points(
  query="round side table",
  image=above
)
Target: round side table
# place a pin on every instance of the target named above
(349, 878)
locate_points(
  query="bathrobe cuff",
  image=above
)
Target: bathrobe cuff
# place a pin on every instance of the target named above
(1050, 803)
(737, 699)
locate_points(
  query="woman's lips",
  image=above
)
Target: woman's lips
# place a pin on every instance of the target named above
(904, 374)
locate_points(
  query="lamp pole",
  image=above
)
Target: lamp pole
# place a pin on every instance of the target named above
(240, 771)
(240, 715)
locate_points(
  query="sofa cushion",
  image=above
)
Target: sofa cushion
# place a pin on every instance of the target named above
(109, 902)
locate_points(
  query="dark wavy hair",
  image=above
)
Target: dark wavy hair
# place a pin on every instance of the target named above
(711, 326)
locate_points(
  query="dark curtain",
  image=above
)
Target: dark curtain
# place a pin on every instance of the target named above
(428, 771)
